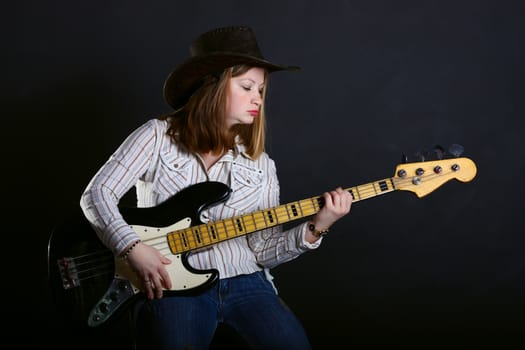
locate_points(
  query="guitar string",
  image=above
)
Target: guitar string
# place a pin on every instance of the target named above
(365, 191)
(101, 265)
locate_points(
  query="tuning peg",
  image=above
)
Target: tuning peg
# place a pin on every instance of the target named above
(404, 159)
(456, 150)
(422, 154)
(439, 151)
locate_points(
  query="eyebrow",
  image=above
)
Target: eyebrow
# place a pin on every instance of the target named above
(253, 81)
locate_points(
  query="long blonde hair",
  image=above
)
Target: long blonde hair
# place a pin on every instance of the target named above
(199, 126)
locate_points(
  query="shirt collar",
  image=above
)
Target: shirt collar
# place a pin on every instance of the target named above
(240, 149)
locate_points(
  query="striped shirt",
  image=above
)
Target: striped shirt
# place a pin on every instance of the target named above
(158, 169)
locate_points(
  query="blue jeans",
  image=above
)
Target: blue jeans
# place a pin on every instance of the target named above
(247, 303)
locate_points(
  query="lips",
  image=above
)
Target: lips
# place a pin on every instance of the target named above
(254, 113)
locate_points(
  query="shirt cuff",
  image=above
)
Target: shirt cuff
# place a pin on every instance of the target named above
(305, 244)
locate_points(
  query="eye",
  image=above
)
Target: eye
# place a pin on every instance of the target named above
(247, 88)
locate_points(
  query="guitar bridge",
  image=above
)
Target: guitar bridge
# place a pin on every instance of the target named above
(68, 273)
(74, 271)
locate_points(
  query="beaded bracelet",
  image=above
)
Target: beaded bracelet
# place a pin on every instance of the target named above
(125, 255)
(317, 233)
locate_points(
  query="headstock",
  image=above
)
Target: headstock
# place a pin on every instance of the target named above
(424, 177)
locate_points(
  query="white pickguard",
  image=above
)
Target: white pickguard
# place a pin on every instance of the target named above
(181, 278)
(127, 283)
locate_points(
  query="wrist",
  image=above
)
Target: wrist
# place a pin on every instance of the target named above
(127, 251)
(316, 231)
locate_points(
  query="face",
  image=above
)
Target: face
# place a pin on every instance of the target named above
(244, 97)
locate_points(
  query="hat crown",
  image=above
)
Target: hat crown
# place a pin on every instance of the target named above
(232, 40)
(212, 52)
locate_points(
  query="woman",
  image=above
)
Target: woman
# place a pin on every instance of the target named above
(216, 133)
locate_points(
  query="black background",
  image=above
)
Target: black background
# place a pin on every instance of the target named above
(380, 79)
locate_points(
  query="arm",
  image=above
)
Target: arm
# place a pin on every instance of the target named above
(273, 247)
(99, 203)
(121, 171)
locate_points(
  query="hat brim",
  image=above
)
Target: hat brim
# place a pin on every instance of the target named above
(187, 77)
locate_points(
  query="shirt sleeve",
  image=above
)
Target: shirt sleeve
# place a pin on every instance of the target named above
(274, 246)
(99, 201)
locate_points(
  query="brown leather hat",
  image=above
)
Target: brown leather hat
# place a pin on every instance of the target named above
(212, 52)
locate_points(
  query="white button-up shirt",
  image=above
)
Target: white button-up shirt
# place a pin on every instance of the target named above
(149, 160)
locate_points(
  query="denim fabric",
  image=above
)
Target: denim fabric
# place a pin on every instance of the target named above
(248, 303)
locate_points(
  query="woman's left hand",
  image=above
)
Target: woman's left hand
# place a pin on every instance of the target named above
(337, 203)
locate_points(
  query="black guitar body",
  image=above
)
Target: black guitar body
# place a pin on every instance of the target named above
(81, 270)
(74, 297)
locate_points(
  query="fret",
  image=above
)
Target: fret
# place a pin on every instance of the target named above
(213, 231)
(363, 191)
(234, 227)
(205, 234)
(320, 203)
(197, 235)
(223, 234)
(183, 239)
(193, 239)
(172, 241)
(383, 186)
(372, 190)
(259, 220)
(282, 214)
(293, 211)
(249, 223)
(356, 194)
(239, 226)
(270, 217)
(374, 187)
(308, 207)
(178, 241)
(351, 190)
(358, 191)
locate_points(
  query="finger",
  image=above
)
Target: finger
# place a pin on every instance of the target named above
(156, 286)
(165, 260)
(327, 199)
(339, 196)
(166, 280)
(157, 289)
(333, 196)
(148, 288)
(337, 201)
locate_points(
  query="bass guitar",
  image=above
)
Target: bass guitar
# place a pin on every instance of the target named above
(100, 285)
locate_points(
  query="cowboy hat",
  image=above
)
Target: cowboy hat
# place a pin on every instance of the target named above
(212, 52)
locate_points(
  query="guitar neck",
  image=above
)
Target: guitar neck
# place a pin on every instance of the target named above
(199, 236)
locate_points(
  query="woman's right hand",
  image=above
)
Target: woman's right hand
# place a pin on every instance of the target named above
(149, 263)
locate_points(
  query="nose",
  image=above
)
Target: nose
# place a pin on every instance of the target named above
(257, 99)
